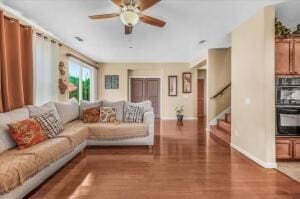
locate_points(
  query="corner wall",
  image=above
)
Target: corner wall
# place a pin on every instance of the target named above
(253, 88)
(219, 76)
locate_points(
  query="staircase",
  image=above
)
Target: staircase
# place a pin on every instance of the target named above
(222, 130)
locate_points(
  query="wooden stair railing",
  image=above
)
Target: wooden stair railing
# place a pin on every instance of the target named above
(221, 92)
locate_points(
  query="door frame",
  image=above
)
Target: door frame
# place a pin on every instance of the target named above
(148, 77)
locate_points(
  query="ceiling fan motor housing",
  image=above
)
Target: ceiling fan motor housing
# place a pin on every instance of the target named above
(130, 15)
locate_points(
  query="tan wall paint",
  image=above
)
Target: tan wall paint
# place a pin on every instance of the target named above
(219, 76)
(163, 70)
(253, 89)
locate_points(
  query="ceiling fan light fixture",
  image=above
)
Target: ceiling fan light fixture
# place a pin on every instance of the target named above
(129, 17)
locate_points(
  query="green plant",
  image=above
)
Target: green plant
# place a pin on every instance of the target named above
(180, 110)
(281, 30)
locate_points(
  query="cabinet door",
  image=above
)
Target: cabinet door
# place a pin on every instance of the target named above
(296, 146)
(283, 57)
(284, 149)
(296, 56)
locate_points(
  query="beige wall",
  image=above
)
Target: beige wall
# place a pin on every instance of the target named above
(127, 70)
(253, 90)
(219, 76)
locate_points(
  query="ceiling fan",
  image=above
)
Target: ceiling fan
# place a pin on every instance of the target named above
(130, 13)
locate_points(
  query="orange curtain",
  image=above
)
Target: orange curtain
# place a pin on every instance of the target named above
(16, 64)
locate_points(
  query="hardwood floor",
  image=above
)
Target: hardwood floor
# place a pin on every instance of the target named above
(184, 163)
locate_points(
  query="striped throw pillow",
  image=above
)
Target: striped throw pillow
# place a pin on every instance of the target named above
(134, 114)
(49, 123)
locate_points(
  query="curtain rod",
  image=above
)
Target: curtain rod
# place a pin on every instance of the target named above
(46, 37)
(78, 58)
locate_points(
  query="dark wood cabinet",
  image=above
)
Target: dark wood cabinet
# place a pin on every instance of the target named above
(297, 56)
(288, 148)
(287, 57)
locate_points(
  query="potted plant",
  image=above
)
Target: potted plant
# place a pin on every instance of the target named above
(179, 113)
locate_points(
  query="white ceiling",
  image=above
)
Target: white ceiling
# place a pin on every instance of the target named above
(188, 22)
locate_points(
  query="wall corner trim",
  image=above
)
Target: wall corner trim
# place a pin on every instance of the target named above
(267, 165)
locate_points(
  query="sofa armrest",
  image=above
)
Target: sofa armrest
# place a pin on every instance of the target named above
(148, 118)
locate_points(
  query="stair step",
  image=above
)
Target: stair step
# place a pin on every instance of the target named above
(221, 134)
(223, 124)
(228, 117)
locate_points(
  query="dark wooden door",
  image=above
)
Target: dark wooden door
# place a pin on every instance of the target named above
(200, 98)
(146, 89)
(297, 56)
(283, 56)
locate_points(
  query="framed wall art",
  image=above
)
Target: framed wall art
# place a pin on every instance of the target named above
(111, 81)
(187, 82)
(172, 85)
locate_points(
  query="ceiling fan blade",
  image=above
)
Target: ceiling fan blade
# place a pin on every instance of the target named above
(128, 30)
(152, 21)
(105, 16)
(118, 2)
(145, 4)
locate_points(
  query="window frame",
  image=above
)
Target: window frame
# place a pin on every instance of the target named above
(92, 80)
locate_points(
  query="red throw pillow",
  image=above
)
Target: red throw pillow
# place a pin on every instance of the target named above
(27, 133)
(91, 115)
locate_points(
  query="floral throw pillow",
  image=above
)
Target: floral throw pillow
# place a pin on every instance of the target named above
(91, 115)
(27, 133)
(108, 115)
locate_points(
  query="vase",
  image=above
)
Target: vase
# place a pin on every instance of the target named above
(179, 117)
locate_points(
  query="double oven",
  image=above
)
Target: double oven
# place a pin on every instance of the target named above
(288, 106)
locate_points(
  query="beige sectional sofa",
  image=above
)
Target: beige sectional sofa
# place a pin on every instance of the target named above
(23, 170)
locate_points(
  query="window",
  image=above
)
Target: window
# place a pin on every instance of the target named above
(81, 81)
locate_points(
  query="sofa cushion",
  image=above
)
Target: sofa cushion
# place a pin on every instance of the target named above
(27, 133)
(134, 114)
(16, 169)
(108, 115)
(6, 141)
(16, 166)
(49, 123)
(38, 110)
(86, 105)
(76, 131)
(119, 106)
(147, 105)
(117, 131)
(91, 115)
(68, 111)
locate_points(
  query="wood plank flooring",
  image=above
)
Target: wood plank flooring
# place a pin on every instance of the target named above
(185, 163)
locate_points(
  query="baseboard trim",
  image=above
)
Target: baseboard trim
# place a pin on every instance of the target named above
(175, 118)
(267, 165)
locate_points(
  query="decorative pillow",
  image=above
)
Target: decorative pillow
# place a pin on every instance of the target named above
(134, 114)
(68, 111)
(147, 105)
(6, 141)
(49, 123)
(119, 106)
(27, 133)
(91, 115)
(38, 110)
(108, 114)
(86, 105)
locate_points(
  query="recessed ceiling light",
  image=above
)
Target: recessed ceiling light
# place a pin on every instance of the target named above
(202, 42)
(78, 39)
